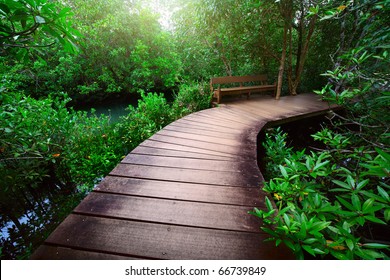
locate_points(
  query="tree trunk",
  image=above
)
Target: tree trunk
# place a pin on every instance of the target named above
(302, 57)
(282, 61)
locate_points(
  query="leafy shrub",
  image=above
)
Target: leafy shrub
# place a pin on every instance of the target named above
(152, 114)
(191, 97)
(47, 153)
(327, 203)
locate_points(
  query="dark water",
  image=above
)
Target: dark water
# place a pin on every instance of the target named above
(114, 108)
(298, 136)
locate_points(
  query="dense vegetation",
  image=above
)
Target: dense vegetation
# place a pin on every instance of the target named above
(333, 201)
(57, 55)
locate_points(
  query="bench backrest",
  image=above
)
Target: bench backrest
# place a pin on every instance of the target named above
(238, 79)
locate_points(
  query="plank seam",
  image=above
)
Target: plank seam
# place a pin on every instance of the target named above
(202, 141)
(53, 244)
(164, 223)
(181, 200)
(229, 154)
(186, 168)
(145, 145)
(182, 157)
(187, 182)
(179, 124)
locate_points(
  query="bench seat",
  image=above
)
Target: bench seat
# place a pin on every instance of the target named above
(242, 89)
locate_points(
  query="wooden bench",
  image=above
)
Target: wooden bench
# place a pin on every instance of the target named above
(257, 83)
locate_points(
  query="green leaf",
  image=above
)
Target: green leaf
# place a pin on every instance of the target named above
(346, 203)
(356, 202)
(302, 232)
(268, 204)
(374, 220)
(338, 255)
(269, 231)
(383, 193)
(64, 12)
(342, 184)
(309, 250)
(283, 170)
(318, 226)
(350, 244)
(318, 251)
(375, 246)
(385, 155)
(289, 244)
(310, 240)
(368, 204)
(334, 229)
(362, 184)
(373, 254)
(387, 215)
(360, 220)
(286, 219)
(319, 165)
(351, 181)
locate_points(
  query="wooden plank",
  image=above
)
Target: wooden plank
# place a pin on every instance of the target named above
(200, 132)
(148, 240)
(232, 150)
(184, 148)
(206, 129)
(273, 110)
(182, 191)
(222, 114)
(186, 175)
(190, 163)
(213, 127)
(47, 252)
(252, 111)
(175, 212)
(216, 121)
(202, 138)
(299, 104)
(246, 89)
(143, 150)
(246, 114)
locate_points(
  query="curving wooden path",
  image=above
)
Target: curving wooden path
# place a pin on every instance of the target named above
(185, 192)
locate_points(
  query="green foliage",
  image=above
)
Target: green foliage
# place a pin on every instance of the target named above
(191, 98)
(123, 50)
(152, 113)
(35, 24)
(276, 150)
(331, 203)
(327, 203)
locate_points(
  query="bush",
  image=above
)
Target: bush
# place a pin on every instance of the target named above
(192, 97)
(152, 114)
(49, 157)
(328, 203)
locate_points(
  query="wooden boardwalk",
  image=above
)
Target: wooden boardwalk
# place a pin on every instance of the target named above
(184, 193)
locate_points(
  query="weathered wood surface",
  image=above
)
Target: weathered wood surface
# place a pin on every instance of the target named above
(184, 193)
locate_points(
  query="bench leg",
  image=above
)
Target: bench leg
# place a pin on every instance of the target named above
(248, 95)
(218, 97)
